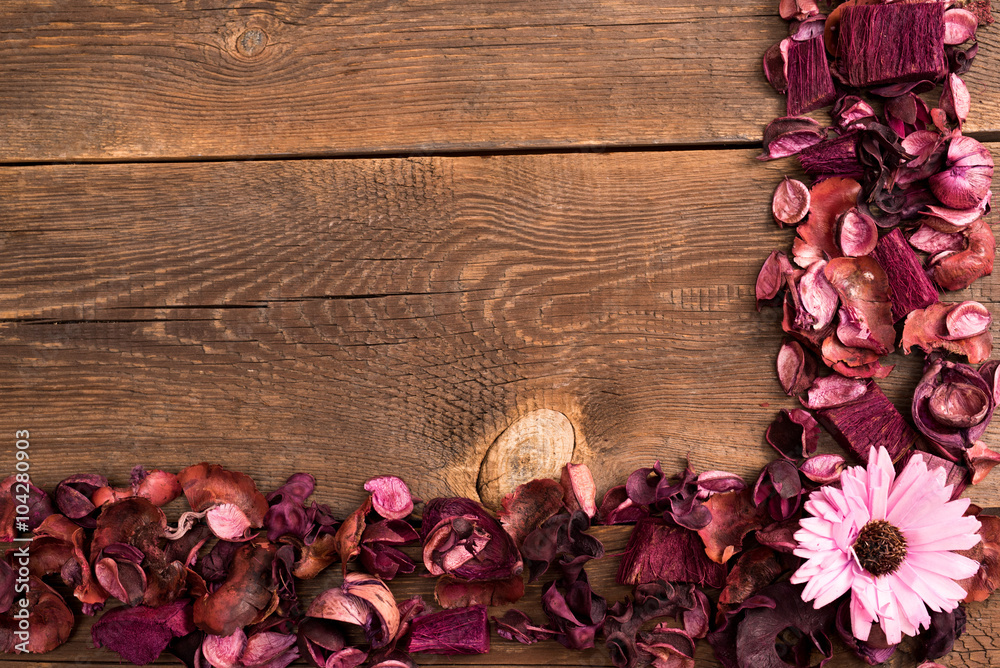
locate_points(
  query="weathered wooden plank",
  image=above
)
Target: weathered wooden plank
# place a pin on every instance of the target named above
(112, 80)
(350, 318)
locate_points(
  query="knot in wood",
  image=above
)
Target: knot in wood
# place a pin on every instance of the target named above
(535, 446)
(252, 42)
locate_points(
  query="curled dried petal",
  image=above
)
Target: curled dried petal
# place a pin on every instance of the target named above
(857, 233)
(391, 497)
(959, 26)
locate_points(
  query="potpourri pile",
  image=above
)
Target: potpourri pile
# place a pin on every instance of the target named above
(872, 550)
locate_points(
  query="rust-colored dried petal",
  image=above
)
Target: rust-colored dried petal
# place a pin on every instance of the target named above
(530, 504)
(734, 515)
(454, 593)
(927, 329)
(958, 270)
(829, 200)
(864, 292)
(981, 461)
(348, 537)
(246, 597)
(49, 622)
(207, 485)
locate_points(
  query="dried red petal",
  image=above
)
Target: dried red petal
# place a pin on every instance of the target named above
(857, 233)
(959, 26)
(909, 287)
(790, 202)
(829, 200)
(453, 593)
(955, 98)
(864, 293)
(618, 508)
(209, 485)
(981, 461)
(927, 328)
(734, 515)
(49, 621)
(530, 504)
(776, 65)
(246, 597)
(348, 537)
(958, 270)
(823, 469)
(771, 277)
(160, 487)
(966, 181)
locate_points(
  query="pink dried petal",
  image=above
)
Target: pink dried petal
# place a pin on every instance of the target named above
(581, 492)
(955, 98)
(981, 460)
(391, 497)
(228, 522)
(790, 202)
(734, 515)
(771, 277)
(959, 26)
(852, 113)
(857, 234)
(718, 482)
(929, 240)
(833, 391)
(806, 254)
(872, 39)
(207, 485)
(809, 83)
(967, 319)
(224, 651)
(245, 597)
(818, 296)
(796, 367)
(823, 469)
(950, 221)
(966, 181)
(909, 286)
(869, 421)
(788, 135)
(160, 487)
(797, 9)
(268, 649)
(927, 329)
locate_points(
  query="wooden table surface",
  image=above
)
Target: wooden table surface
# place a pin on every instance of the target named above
(366, 236)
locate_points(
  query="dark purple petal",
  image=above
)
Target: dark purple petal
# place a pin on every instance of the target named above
(652, 601)
(938, 640)
(780, 536)
(718, 482)
(780, 487)
(287, 514)
(575, 611)
(561, 536)
(796, 367)
(463, 540)
(73, 494)
(617, 508)
(776, 65)
(758, 633)
(794, 433)
(515, 625)
(450, 632)
(528, 506)
(753, 571)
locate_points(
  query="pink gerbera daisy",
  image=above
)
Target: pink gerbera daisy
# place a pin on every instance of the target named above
(888, 541)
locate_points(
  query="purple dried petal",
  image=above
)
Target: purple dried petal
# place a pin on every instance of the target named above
(617, 508)
(960, 60)
(866, 312)
(929, 240)
(140, 634)
(669, 647)
(902, 88)
(462, 539)
(321, 638)
(364, 601)
(515, 625)
(794, 433)
(796, 367)
(817, 296)
(657, 551)
(287, 514)
(809, 83)
(909, 286)
(269, 649)
(224, 651)
(952, 406)
(391, 497)
(834, 390)
(870, 420)
(939, 639)
(959, 26)
(780, 536)
(718, 482)
(72, 497)
(852, 113)
(577, 615)
(873, 39)
(788, 135)
(907, 114)
(385, 561)
(823, 469)
(530, 504)
(790, 202)
(652, 601)
(450, 632)
(561, 535)
(776, 65)
(779, 485)
(758, 633)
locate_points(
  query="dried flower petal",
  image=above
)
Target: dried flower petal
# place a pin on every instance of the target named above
(652, 601)
(391, 497)
(734, 515)
(966, 181)
(361, 600)
(864, 294)
(794, 433)
(530, 504)
(753, 570)
(857, 233)
(959, 26)
(927, 328)
(823, 469)
(952, 406)
(160, 487)
(246, 597)
(452, 593)
(829, 200)
(515, 625)
(209, 485)
(463, 540)
(981, 461)
(834, 390)
(796, 367)
(617, 508)
(771, 277)
(955, 99)
(958, 270)
(776, 65)
(580, 490)
(287, 514)
(450, 632)
(561, 536)
(789, 135)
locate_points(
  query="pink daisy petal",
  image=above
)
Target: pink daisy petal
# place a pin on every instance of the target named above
(947, 564)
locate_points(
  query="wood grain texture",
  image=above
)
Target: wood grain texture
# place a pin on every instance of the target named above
(357, 317)
(112, 80)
